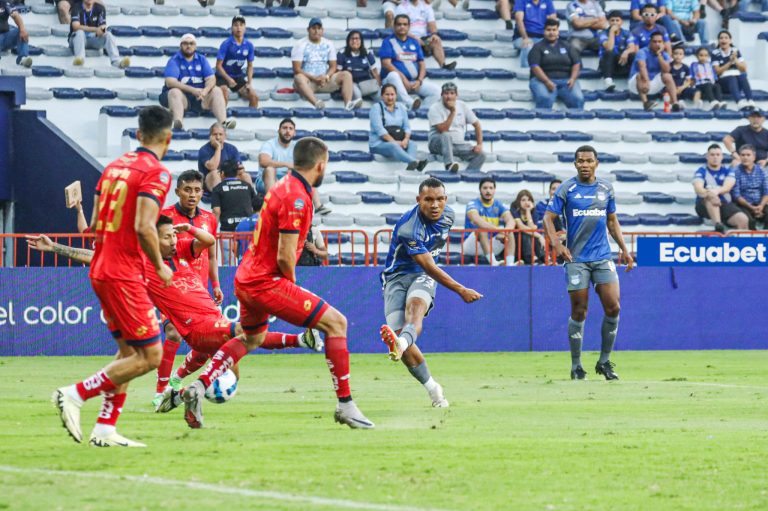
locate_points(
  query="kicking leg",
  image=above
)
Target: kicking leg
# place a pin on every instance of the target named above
(413, 358)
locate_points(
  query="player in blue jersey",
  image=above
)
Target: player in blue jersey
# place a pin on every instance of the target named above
(588, 206)
(410, 278)
(236, 53)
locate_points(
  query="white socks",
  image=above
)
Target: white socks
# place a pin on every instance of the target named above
(430, 384)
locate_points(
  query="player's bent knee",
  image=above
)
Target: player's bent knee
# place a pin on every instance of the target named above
(333, 323)
(151, 357)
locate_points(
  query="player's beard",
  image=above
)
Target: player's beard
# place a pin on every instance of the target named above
(284, 141)
(318, 181)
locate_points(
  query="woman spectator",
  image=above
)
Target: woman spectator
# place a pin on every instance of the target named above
(390, 133)
(361, 64)
(731, 71)
(531, 243)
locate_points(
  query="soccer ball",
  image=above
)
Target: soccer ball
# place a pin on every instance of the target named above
(223, 388)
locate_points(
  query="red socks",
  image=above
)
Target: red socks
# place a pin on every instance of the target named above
(95, 385)
(227, 356)
(337, 358)
(166, 364)
(279, 341)
(111, 408)
(192, 362)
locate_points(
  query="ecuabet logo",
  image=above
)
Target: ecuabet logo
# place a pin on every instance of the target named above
(705, 251)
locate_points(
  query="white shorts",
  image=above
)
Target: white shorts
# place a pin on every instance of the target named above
(388, 7)
(656, 85)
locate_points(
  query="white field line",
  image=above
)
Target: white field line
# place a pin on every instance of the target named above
(216, 488)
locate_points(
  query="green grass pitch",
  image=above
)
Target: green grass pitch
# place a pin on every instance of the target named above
(680, 431)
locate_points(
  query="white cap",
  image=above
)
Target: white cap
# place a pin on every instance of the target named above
(189, 37)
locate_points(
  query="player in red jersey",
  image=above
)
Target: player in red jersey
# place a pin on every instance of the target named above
(265, 284)
(189, 189)
(127, 205)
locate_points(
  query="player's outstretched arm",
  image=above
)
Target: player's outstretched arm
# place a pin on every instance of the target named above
(557, 245)
(615, 231)
(433, 270)
(203, 239)
(146, 216)
(43, 243)
(286, 254)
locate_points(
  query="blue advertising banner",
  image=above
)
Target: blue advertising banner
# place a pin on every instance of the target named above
(704, 251)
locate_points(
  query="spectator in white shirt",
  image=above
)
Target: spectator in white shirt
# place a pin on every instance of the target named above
(424, 28)
(448, 120)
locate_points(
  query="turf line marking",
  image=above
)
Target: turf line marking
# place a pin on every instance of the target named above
(215, 488)
(705, 384)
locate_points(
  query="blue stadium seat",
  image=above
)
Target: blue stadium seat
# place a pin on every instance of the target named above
(421, 113)
(275, 33)
(157, 71)
(693, 136)
(657, 197)
(350, 176)
(518, 113)
(470, 74)
(381, 258)
(627, 220)
(124, 31)
(252, 10)
(610, 114)
(306, 133)
(181, 134)
(329, 135)
(35, 51)
(669, 115)
(376, 197)
(514, 136)
(488, 136)
(358, 156)
(169, 51)
(580, 115)
(368, 34)
(67, 93)
(472, 177)
(544, 136)
(629, 176)
(499, 74)
(763, 36)
(384, 32)
(591, 95)
(140, 72)
(489, 113)
(214, 32)
(451, 53)
(283, 12)
(147, 51)
(419, 135)
(199, 133)
(728, 114)
(588, 74)
(575, 136)
(391, 218)
(665, 136)
(153, 31)
(190, 154)
(267, 52)
(338, 113)
(47, 71)
(565, 156)
(98, 93)
(609, 158)
(638, 114)
(252, 33)
(244, 111)
(759, 95)
(617, 95)
(684, 219)
(243, 156)
(549, 115)
(694, 158)
(119, 111)
(484, 14)
(653, 219)
(130, 132)
(172, 155)
(537, 176)
(178, 31)
(441, 74)
(334, 156)
(353, 258)
(275, 112)
(507, 176)
(717, 136)
(699, 114)
(263, 72)
(359, 135)
(751, 17)
(474, 51)
(208, 51)
(365, 113)
(452, 35)
(455, 237)
(445, 176)
(336, 237)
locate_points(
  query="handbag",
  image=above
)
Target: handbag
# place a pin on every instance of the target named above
(395, 132)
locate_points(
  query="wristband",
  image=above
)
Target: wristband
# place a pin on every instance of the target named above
(215, 284)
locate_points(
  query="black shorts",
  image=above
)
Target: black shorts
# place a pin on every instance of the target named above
(195, 104)
(239, 83)
(727, 210)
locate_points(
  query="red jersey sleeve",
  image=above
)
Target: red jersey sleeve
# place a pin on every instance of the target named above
(185, 249)
(155, 185)
(294, 212)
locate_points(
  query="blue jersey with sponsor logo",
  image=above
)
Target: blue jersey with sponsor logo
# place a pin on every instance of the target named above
(235, 56)
(585, 208)
(189, 72)
(415, 235)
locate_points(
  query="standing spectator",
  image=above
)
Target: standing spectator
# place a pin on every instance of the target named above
(531, 243)
(682, 76)
(705, 80)
(504, 10)
(555, 68)
(650, 74)
(17, 36)
(361, 64)
(530, 16)
(644, 31)
(448, 120)
(314, 253)
(88, 29)
(424, 28)
(191, 85)
(390, 133)
(750, 193)
(732, 72)
(486, 212)
(235, 53)
(216, 151)
(541, 206)
(685, 21)
(586, 19)
(402, 65)
(713, 184)
(753, 134)
(617, 51)
(314, 68)
(232, 201)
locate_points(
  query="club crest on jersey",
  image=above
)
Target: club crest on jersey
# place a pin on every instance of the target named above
(307, 305)
(298, 204)
(601, 196)
(183, 262)
(164, 178)
(296, 223)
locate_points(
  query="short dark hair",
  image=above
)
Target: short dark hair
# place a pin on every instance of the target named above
(585, 149)
(229, 168)
(554, 181)
(308, 152)
(748, 147)
(163, 220)
(702, 48)
(153, 122)
(431, 182)
(614, 14)
(399, 16)
(656, 33)
(649, 6)
(286, 120)
(552, 23)
(487, 179)
(188, 176)
(713, 146)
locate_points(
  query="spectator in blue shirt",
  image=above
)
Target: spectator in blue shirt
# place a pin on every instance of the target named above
(586, 19)
(617, 51)
(361, 64)
(530, 16)
(705, 81)
(191, 85)
(681, 75)
(216, 151)
(650, 74)
(685, 20)
(490, 214)
(643, 32)
(390, 133)
(555, 68)
(402, 65)
(234, 54)
(17, 36)
(636, 13)
(750, 193)
(713, 184)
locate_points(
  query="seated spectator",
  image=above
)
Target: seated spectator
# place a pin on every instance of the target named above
(455, 3)
(530, 16)
(314, 69)
(402, 65)
(555, 68)
(725, 8)
(191, 85)
(232, 201)
(504, 10)
(217, 150)
(732, 72)
(531, 243)
(662, 10)
(64, 8)
(750, 193)
(705, 80)
(235, 53)
(685, 21)
(541, 206)
(388, 7)
(448, 120)
(486, 212)
(586, 20)
(14, 37)
(682, 76)
(713, 184)
(424, 29)
(617, 51)
(361, 64)
(315, 252)
(650, 74)
(644, 31)
(753, 134)
(390, 133)
(88, 29)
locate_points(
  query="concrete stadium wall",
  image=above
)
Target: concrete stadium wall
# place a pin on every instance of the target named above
(53, 311)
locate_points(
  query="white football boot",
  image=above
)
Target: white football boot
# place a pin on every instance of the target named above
(348, 413)
(69, 412)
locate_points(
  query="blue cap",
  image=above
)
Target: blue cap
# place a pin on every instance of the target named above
(315, 21)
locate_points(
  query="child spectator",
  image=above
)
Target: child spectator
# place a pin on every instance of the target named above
(681, 74)
(707, 88)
